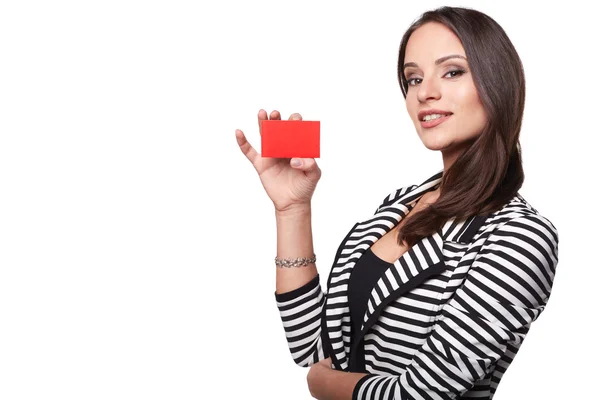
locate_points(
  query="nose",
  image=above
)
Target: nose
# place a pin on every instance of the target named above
(428, 90)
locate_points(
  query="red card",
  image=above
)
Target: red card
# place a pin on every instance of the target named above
(288, 139)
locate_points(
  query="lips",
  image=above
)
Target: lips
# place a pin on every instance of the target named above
(423, 113)
(434, 122)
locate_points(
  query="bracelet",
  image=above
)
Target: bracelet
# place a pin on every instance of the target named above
(288, 262)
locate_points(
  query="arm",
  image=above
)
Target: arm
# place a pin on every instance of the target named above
(298, 293)
(290, 184)
(507, 288)
(325, 383)
(299, 296)
(294, 239)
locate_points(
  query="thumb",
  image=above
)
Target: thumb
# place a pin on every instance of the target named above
(308, 165)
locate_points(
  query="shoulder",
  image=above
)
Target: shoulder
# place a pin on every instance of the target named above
(517, 244)
(518, 212)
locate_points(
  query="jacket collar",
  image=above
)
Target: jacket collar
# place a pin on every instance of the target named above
(422, 261)
(453, 231)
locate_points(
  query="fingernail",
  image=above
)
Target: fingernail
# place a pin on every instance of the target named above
(296, 163)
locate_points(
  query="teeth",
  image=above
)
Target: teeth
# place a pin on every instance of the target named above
(432, 116)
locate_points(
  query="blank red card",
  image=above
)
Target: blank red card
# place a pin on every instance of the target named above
(288, 139)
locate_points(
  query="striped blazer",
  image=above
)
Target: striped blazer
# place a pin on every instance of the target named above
(447, 319)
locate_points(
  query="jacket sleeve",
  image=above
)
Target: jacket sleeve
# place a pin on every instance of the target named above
(300, 312)
(506, 289)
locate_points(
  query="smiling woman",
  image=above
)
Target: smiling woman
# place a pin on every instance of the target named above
(459, 65)
(449, 75)
(433, 295)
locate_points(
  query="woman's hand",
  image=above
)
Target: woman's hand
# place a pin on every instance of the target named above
(326, 362)
(325, 383)
(315, 378)
(288, 185)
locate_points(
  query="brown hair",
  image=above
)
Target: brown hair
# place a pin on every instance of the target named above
(490, 172)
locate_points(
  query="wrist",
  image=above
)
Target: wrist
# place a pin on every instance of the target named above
(294, 211)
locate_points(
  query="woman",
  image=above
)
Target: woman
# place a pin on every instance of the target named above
(432, 296)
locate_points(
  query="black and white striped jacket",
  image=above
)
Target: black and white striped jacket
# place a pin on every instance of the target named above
(448, 318)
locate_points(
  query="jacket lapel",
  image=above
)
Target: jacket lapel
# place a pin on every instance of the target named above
(421, 262)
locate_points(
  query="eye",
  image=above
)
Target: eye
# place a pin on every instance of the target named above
(456, 72)
(411, 81)
(453, 74)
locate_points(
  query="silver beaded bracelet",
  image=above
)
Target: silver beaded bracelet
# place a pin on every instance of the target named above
(288, 262)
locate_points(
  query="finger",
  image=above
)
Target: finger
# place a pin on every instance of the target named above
(308, 165)
(295, 116)
(326, 362)
(262, 115)
(245, 146)
(275, 115)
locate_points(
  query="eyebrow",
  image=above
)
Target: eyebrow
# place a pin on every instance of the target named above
(437, 62)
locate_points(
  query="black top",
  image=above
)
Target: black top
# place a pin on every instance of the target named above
(365, 274)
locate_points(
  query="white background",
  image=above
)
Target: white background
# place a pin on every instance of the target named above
(136, 241)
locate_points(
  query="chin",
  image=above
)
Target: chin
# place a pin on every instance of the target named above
(441, 149)
(435, 145)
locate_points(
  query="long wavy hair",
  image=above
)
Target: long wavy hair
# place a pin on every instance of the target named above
(489, 173)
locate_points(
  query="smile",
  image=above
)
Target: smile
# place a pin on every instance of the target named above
(438, 119)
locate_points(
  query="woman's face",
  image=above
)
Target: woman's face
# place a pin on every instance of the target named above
(439, 80)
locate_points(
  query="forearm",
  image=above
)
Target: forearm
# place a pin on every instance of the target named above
(294, 239)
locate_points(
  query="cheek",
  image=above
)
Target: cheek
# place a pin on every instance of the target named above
(411, 106)
(467, 101)
(465, 98)
(473, 108)
(476, 109)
